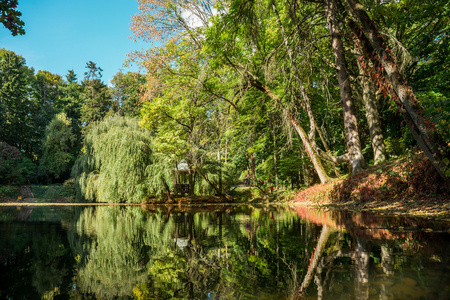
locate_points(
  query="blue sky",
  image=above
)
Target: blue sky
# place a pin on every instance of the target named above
(64, 34)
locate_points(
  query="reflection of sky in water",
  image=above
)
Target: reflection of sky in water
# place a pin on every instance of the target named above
(226, 252)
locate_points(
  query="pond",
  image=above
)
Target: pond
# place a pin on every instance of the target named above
(219, 252)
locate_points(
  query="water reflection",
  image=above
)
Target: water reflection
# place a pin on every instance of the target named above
(219, 253)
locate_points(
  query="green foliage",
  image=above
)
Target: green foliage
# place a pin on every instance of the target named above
(59, 139)
(9, 191)
(395, 146)
(114, 165)
(10, 158)
(10, 17)
(14, 103)
(96, 96)
(52, 192)
(127, 92)
(30, 171)
(226, 173)
(437, 108)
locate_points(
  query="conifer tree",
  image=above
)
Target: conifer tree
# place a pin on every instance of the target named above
(96, 95)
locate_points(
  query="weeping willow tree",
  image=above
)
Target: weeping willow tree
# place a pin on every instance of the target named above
(114, 165)
(116, 247)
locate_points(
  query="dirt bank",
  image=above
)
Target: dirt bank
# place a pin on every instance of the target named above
(408, 186)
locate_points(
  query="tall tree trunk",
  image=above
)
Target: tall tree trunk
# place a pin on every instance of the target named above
(355, 155)
(322, 139)
(369, 100)
(220, 170)
(305, 169)
(252, 168)
(226, 149)
(275, 163)
(312, 155)
(401, 92)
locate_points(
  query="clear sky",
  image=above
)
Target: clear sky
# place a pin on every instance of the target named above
(65, 34)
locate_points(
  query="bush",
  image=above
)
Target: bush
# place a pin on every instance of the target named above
(10, 171)
(9, 191)
(56, 191)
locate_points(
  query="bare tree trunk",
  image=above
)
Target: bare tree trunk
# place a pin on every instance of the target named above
(220, 169)
(355, 155)
(312, 155)
(305, 169)
(275, 155)
(401, 92)
(369, 100)
(252, 168)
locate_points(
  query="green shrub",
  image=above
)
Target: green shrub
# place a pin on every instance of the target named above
(10, 171)
(9, 191)
(56, 191)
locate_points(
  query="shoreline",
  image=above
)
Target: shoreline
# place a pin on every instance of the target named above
(438, 210)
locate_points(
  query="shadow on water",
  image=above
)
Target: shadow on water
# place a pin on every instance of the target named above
(219, 252)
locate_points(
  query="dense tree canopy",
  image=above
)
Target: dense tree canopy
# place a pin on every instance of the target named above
(299, 57)
(281, 93)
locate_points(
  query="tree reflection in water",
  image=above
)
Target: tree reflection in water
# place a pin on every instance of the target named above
(221, 252)
(392, 258)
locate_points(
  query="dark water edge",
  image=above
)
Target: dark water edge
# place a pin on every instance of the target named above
(219, 252)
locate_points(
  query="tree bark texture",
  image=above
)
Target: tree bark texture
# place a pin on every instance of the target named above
(310, 151)
(275, 163)
(355, 156)
(373, 120)
(305, 169)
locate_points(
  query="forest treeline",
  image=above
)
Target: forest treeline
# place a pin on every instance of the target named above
(284, 93)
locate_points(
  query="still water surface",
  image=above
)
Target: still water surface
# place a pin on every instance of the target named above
(219, 252)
